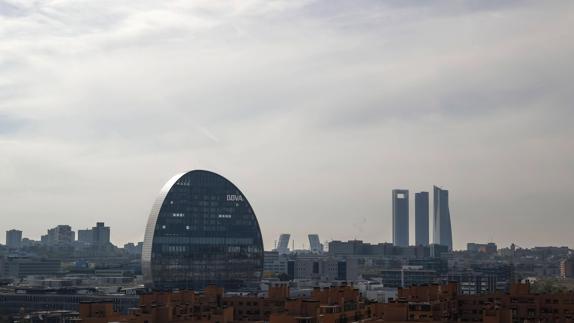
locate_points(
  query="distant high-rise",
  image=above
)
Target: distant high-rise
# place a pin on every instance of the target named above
(315, 244)
(14, 239)
(101, 234)
(401, 218)
(442, 234)
(422, 219)
(283, 245)
(98, 235)
(61, 234)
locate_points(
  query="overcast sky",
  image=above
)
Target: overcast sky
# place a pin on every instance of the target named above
(316, 110)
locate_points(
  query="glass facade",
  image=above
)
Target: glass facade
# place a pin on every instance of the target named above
(202, 230)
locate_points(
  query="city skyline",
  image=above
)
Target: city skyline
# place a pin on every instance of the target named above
(316, 110)
(440, 198)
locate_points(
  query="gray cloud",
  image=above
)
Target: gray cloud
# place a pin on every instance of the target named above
(315, 109)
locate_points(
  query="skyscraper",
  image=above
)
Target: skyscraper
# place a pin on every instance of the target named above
(442, 231)
(422, 219)
(283, 245)
(202, 230)
(315, 244)
(401, 218)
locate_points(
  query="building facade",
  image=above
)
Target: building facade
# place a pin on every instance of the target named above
(62, 234)
(401, 218)
(315, 244)
(98, 235)
(14, 239)
(283, 244)
(422, 219)
(202, 230)
(567, 268)
(442, 234)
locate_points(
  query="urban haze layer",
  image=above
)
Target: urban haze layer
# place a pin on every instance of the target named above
(203, 259)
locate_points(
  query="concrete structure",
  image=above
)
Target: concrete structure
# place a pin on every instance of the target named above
(315, 244)
(429, 303)
(202, 230)
(133, 249)
(442, 229)
(101, 234)
(274, 264)
(360, 248)
(444, 303)
(401, 218)
(483, 278)
(98, 235)
(567, 268)
(436, 250)
(86, 236)
(14, 239)
(22, 267)
(61, 234)
(408, 276)
(328, 305)
(488, 248)
(325, 269)
(422, 219)
(68, 299)
(283, 244)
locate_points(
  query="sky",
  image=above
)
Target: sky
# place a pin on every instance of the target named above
(316, 110)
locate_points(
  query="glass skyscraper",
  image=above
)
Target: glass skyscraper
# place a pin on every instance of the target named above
(202, 230)
(401, 218)
(442, 234)
(422, 219)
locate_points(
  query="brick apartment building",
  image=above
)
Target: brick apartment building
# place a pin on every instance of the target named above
(342, 304)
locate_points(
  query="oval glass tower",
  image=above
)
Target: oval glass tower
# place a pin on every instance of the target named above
(202, 230)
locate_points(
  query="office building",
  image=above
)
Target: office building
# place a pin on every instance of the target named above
(442, 234)
(401, 218)
(422, 219)
(22, 267)
(483, 278)
(14, 239)
(408, 276)
(326, 269)
(274, 264)
(315, 244)
(202, 230)
(283, 245)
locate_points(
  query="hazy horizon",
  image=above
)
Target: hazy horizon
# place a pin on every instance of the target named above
(316, 110)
